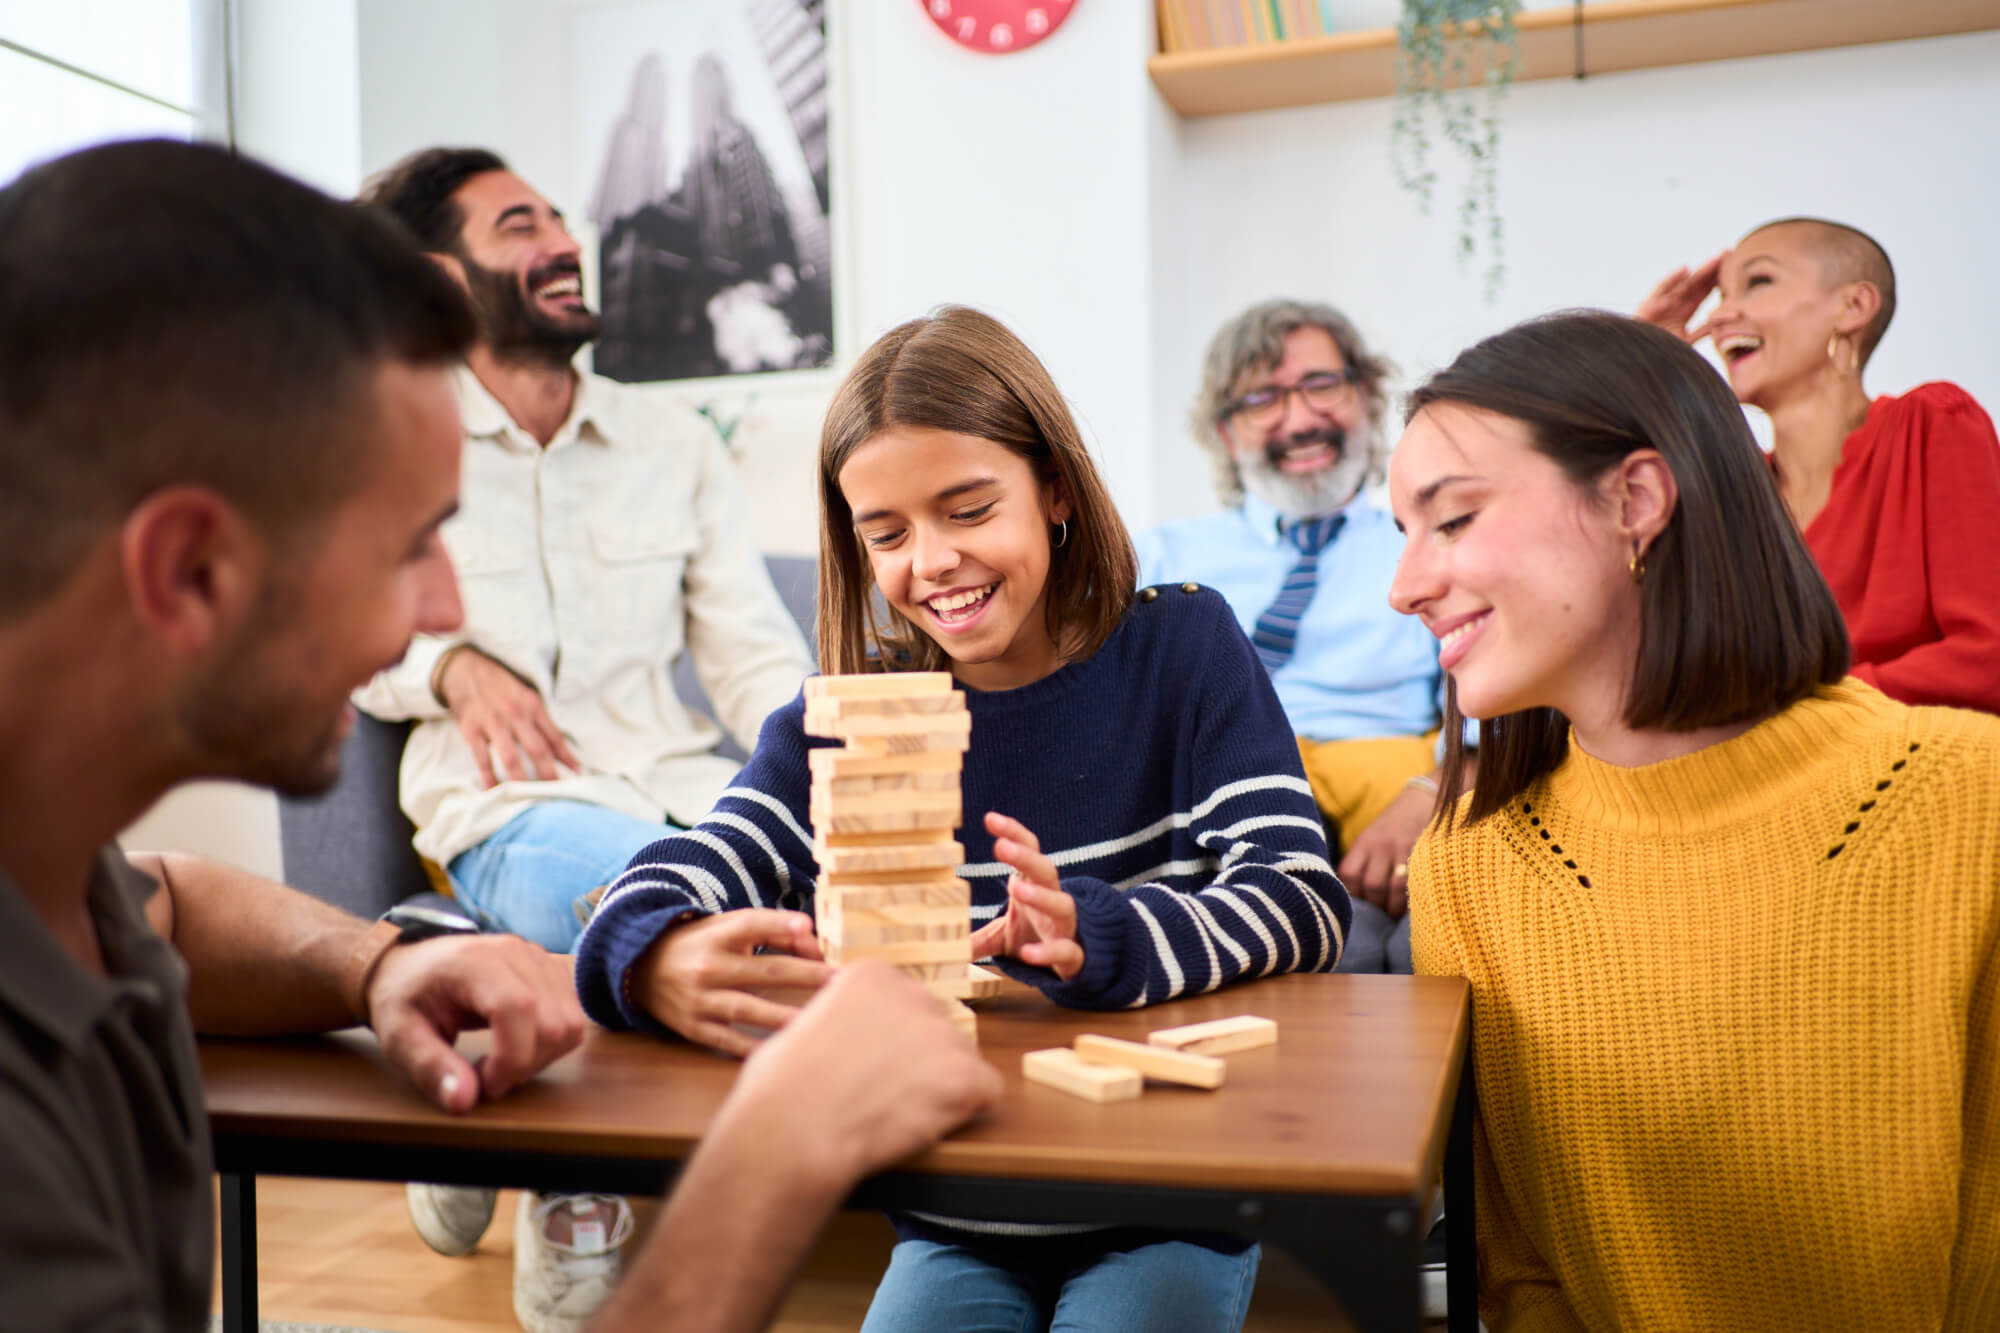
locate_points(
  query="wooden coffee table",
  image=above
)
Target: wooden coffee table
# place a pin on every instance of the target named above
(1327, 1145)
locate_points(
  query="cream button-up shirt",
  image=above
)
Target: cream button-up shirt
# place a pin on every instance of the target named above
(586, 567)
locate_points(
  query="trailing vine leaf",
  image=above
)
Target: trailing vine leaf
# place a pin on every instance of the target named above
(1436, 41)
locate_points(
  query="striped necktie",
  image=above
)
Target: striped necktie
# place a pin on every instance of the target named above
(1277, 631)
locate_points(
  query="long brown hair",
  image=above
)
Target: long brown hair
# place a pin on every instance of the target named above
(1735, 620)
(962, 371)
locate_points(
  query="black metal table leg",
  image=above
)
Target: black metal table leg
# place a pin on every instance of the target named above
(1461, 1238)
(1368, 1255)
(239, 1252)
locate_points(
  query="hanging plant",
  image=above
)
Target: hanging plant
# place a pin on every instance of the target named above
(1438, 44)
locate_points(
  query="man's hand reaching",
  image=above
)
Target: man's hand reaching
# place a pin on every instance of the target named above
(423, 995)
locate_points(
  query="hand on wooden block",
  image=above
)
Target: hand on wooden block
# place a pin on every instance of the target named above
(1219, 1037)
(1059, 1067)
(1169, 1066)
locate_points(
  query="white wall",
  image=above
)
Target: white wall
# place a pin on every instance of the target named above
(1605, 185)
(1018, 184)
(296, 94)
(1054, 188)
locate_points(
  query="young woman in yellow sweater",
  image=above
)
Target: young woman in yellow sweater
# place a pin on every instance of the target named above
(1729, 914)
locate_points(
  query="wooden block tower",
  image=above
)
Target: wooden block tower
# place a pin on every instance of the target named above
(883, 811)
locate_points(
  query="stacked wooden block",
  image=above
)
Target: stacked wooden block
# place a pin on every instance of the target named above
(884, 807)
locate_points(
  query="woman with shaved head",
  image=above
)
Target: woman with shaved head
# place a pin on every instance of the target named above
(1898, 498)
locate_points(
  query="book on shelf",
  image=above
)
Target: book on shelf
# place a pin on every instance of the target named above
(1202, 25)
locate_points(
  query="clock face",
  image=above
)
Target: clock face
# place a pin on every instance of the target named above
(996, 27)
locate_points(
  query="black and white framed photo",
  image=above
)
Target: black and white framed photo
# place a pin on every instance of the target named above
(706, 122)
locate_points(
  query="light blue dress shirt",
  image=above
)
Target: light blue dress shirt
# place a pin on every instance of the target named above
(1360, 670)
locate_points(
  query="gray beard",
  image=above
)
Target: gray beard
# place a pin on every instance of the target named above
(1312, 494)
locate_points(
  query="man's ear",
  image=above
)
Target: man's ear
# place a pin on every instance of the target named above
(1644, 489)
(192, 566)
(453, 267)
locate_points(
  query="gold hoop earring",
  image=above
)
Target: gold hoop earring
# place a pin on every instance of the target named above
(1637, 564)
(1833, 356)
(1062, 535)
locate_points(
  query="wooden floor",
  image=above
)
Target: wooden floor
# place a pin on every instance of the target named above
(332, 1252)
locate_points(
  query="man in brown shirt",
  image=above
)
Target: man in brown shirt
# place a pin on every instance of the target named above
(227, 440)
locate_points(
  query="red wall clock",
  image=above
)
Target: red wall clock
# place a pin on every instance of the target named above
(996, 27)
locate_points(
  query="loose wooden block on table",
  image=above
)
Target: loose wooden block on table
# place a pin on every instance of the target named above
(878, 685)
(1197, 1071)
(1219, 1036)
(1061, 1068)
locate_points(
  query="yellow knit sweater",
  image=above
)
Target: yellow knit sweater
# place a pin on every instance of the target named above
(1734, 1021)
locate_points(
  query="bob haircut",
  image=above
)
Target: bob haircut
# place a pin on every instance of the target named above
(1735, 620)
(959, 370)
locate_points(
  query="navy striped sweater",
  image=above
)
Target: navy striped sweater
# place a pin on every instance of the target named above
(1160, 775)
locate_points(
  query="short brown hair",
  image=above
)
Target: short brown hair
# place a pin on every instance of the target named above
(1735, 620)
(962, 371)
(173, 314)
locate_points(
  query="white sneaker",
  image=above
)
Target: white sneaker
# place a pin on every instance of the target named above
(450, 1218)
(566, 1257)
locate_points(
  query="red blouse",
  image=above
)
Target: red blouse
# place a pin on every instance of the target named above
(1904, 542)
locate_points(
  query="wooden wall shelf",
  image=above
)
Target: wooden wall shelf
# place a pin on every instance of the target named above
(1617, 35)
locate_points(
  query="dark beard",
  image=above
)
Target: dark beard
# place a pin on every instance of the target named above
(249, 722)
(513, 329)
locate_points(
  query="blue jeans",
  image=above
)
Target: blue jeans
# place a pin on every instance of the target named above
(528, 879)
(1170, 1285)
(1375, 943)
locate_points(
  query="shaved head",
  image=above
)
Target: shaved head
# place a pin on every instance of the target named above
(1846, 255)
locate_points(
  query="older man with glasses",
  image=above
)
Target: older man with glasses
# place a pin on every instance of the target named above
(1291, 407)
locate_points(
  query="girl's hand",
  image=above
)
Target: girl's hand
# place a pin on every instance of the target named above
(704, 976)
(1039, 925)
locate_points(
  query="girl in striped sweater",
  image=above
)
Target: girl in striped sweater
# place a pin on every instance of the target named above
(1137, 825)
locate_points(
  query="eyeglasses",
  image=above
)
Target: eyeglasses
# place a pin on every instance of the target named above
(1323, 391)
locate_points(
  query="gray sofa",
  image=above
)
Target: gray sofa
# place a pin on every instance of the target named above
(351, 846)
